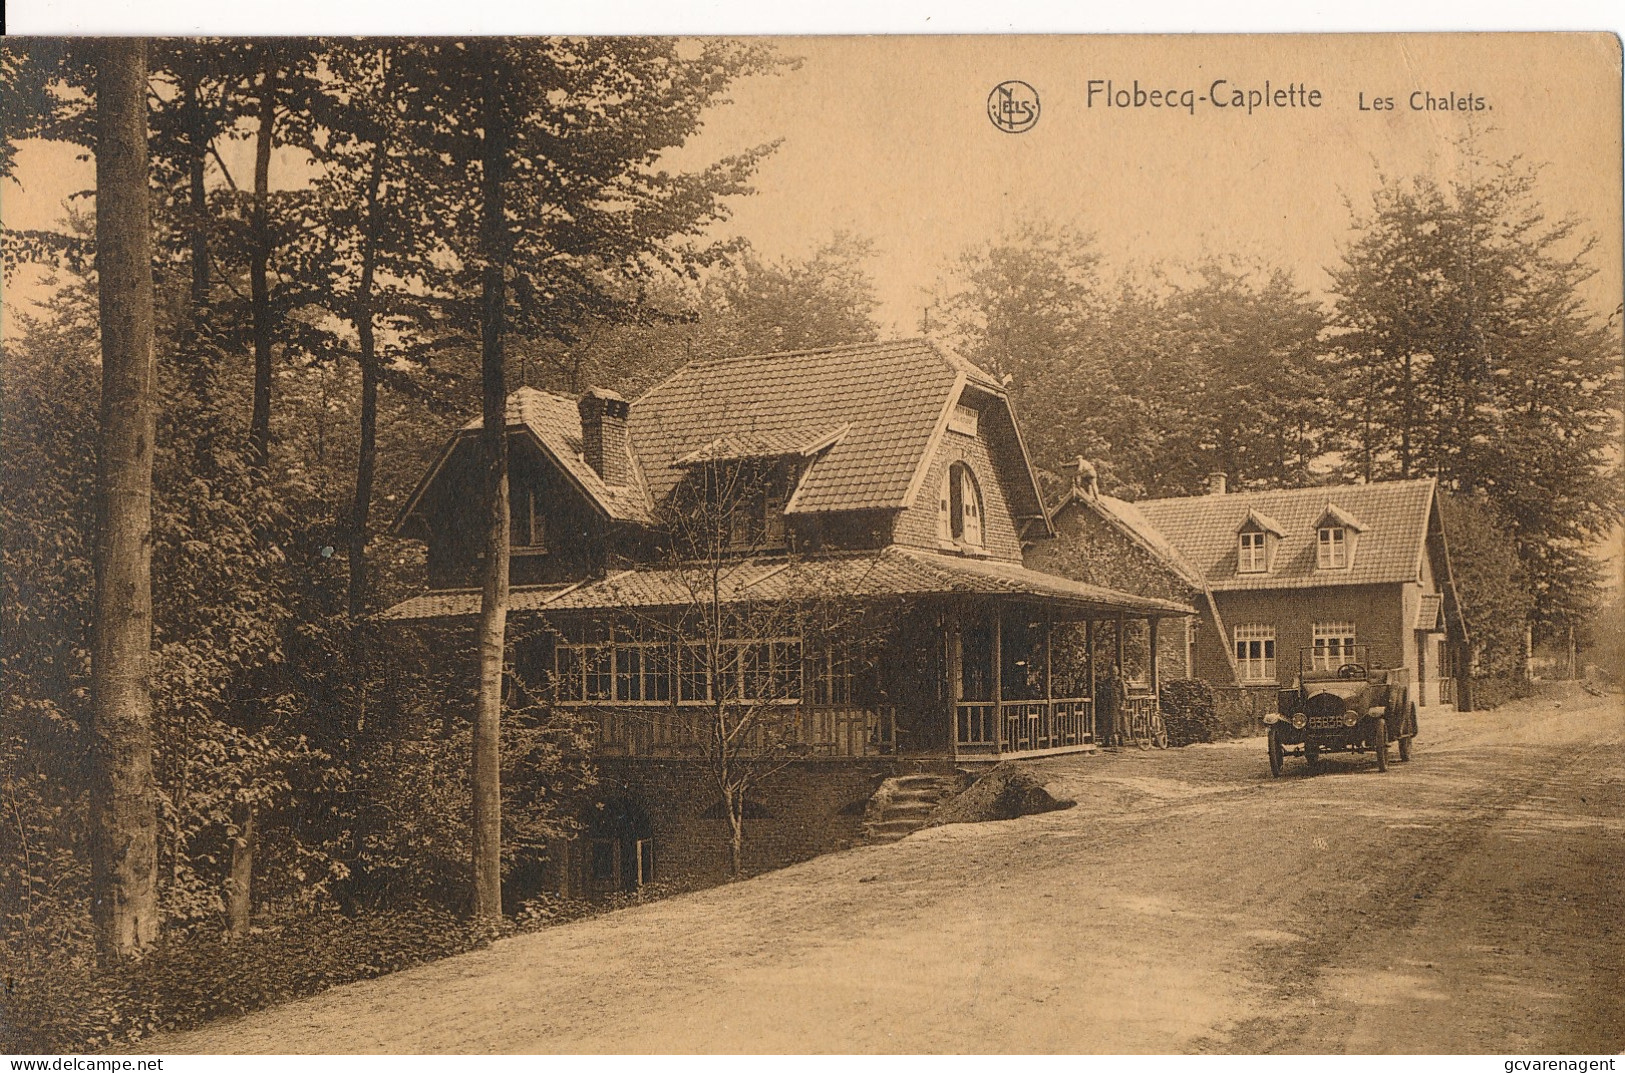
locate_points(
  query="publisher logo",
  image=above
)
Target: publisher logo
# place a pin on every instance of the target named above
(1013, 106)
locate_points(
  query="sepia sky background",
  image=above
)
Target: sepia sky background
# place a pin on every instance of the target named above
(888, 137)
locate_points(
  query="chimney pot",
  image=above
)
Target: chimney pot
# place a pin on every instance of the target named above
(603, 433)
(1216, 483)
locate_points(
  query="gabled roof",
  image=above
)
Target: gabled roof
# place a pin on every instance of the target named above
(1257, 519)
(1126, 518)
(554, 422)
(893, 571)
(893, 399)
(1334, 515)
(787, 443)
(1394, 514)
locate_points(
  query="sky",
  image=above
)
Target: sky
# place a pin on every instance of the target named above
(889, 138)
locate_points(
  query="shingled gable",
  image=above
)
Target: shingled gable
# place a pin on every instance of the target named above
(889, 402)
(554, 423)
(1334, 515)
(1394, 516)
(1257, 521)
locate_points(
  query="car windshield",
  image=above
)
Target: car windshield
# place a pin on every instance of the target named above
(1332, 658)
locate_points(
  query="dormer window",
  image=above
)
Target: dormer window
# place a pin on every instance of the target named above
(1251, 554)
(1253, 538)
(1336, 531)
(960, 507)
(1332, 553)
(527, 522)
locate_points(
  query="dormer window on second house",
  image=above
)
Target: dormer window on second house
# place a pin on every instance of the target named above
(1254, 538)
(960, 508)
(1335, 534)
(1333, 550)
(1252, 555)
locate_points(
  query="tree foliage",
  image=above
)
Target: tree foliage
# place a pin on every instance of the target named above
(1160, 379)
(1468, 352)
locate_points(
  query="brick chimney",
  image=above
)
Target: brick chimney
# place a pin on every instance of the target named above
(1215, 484)
(603, 434)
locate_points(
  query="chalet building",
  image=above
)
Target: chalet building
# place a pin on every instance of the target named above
(888, 481)
(1310, 572)
(1106, 541)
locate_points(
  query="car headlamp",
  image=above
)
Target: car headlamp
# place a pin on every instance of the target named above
(1349, 719)
(1299, 720)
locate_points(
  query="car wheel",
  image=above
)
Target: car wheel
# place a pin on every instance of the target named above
(1277, 754)
(1311, 756)
(1379, 743)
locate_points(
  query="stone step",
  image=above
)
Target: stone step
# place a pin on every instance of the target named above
(918, 795)
(910, 782)
(903, 826)
(909, 808)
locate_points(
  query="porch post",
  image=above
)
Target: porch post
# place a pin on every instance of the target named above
(1120, 622)
(954, 662)
(998, 675)
(1089, 654)
(1156, 684)
(1049, 687)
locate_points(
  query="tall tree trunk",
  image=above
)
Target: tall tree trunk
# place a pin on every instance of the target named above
(487, 785)
(366, 335)
(240, 880)
(259, 430)
(123, 799)
(736, 833)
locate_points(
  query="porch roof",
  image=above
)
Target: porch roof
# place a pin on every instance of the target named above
(892, 571)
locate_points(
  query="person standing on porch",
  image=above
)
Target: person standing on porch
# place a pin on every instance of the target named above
(1111, 694)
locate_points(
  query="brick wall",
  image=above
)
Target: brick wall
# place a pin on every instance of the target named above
(1377, 611)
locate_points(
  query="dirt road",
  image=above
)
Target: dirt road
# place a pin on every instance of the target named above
(1470, 901)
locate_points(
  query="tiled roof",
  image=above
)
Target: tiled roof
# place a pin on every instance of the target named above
(1394, 515)
(894, 571)
(555, 421)
(732, 446)
(1429, 613)
(890, 395)
(1127, 517)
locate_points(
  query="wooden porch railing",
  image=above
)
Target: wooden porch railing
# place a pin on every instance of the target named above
(1022, 726)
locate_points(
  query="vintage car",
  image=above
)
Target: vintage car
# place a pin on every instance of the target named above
(1340, 703)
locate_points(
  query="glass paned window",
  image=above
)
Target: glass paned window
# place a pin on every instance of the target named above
(963, 502)
(832, 677)
(570, 673)
(1255, 653)
(1251, 554)
(693, 678)
(1334, 645)
(1332, 552)
(600, 671)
